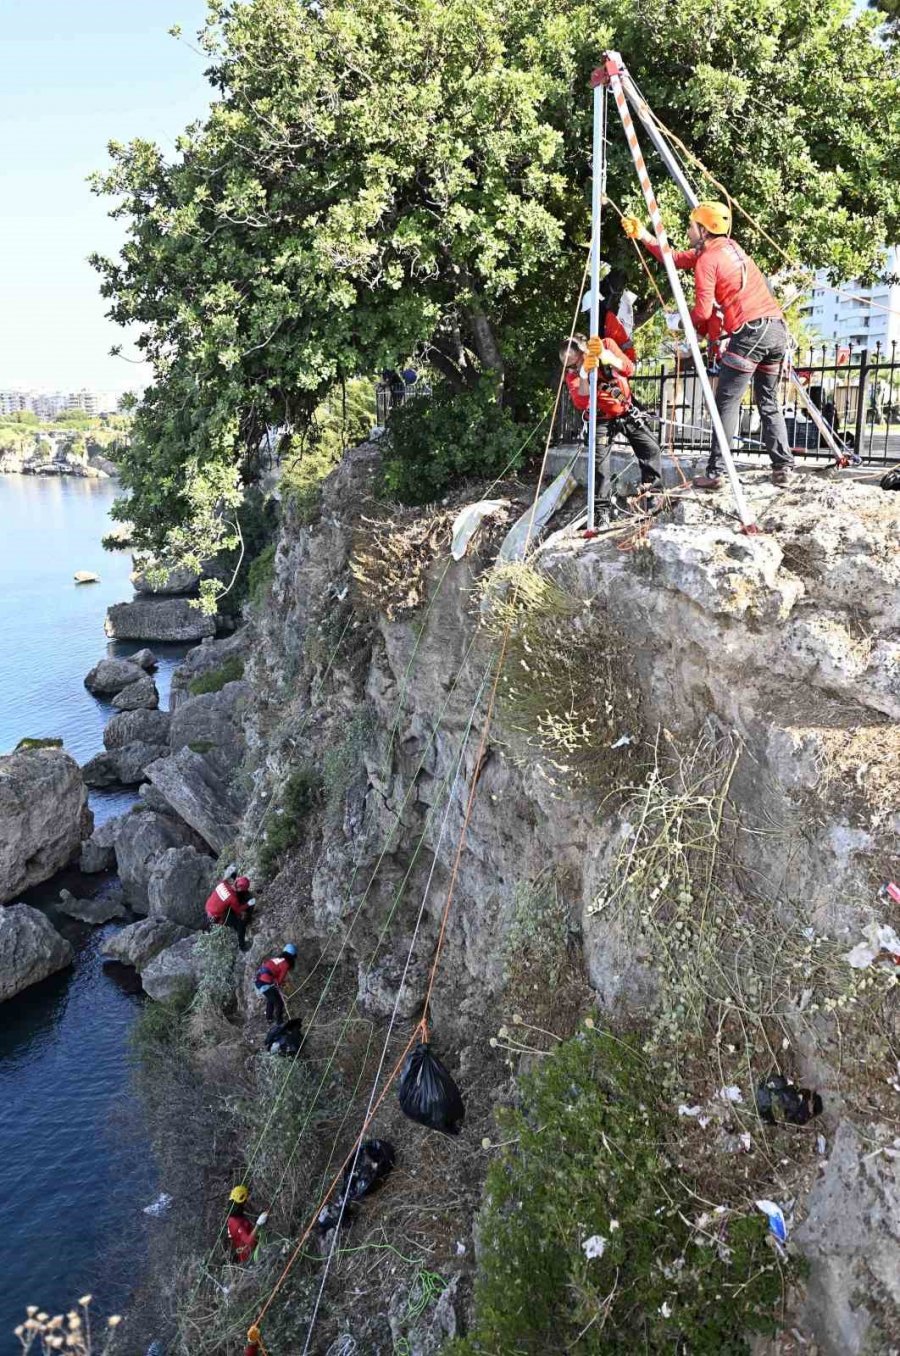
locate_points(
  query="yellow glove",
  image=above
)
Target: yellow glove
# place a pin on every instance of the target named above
(595, 345)
(632, 227)
(591, 363)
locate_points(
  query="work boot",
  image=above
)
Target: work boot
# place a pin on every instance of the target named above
(706, 482)
(781, 475)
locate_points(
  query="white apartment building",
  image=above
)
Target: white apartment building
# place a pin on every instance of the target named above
(843, 317)
(49, 404)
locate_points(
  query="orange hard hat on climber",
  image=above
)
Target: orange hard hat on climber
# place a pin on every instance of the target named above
(715, 217)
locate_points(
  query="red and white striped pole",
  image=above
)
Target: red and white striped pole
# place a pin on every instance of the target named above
(611, 73)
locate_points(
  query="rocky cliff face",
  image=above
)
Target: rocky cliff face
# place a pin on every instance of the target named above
(43, 817)
(689, 748)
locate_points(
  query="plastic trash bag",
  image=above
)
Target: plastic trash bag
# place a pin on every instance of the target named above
(374, 1162)
(428, 1094)
(285, 1038)
(797, 1105)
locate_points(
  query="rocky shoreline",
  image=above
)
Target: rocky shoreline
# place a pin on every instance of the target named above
(62, 464)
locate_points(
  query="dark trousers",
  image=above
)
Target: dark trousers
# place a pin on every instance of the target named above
(646, 449)
(239, 924)
(274, 1005)
(755, 353)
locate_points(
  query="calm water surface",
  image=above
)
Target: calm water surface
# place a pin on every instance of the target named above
(75, 1173)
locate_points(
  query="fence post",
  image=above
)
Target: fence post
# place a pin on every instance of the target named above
(861, 401)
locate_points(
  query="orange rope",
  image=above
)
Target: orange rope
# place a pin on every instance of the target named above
(422, 1026)
(733, 202)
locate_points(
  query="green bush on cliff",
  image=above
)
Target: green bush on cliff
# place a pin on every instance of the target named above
(229, 672)
(284, 826)
(592, 1240)
(436, 441)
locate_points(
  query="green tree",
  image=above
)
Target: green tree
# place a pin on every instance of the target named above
(375, 182)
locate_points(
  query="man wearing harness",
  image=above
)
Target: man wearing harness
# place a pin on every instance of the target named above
(729, 285)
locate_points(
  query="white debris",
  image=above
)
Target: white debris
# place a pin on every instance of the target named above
(685, 1110)
(469, 519)
(595, 1246)
(622, 742)
(730, 1094)
(666, 1309)
(821, 1146)
(878, 939)
(777, 1225)
(460, 1249)
(746, 1141)
(159, 1206)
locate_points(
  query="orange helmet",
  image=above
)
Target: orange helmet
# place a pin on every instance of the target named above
(715, 216)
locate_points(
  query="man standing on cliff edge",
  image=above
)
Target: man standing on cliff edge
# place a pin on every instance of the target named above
(731, 295)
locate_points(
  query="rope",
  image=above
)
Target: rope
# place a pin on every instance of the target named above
(402, 985)
(422, 1025)
(757, 226)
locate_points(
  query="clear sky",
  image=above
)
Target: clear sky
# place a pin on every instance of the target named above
(75, 74)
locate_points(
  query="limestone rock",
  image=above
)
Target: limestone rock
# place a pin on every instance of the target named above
(211, 725)
(141, 694)
(147, 660)
(95, 857)
(198, 796)
(103, 909)
(210, 654)
(141, 838)
(101, 770)
(378, 986)
(723, 572)
(171, 619)
(110, 676)
(30, 949)
(851, 1233)
(138, 943)
(173, 974)
(152, 799)
(129, 727)
(43, 817)
(178, 580)
(180, 886)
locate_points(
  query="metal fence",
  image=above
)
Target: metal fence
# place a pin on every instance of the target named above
(857, 392)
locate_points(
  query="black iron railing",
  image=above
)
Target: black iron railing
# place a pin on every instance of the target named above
(856, 391)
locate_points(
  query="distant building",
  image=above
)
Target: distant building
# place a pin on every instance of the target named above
(843, 317)
(50, 404)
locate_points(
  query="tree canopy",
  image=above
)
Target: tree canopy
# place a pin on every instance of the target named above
(376, 181)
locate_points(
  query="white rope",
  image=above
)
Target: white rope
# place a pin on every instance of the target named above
(396, 1008)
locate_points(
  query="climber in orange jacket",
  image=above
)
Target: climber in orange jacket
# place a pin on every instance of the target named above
(242, 1235)
(731, 295)
(231, 904)
(615, 407)
(269, 978)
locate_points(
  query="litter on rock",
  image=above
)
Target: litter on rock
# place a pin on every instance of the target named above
(775, 1214)
(796, 1105)
(595, 1246)
(880, 943)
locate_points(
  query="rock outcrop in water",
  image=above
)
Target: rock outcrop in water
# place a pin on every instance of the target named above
(158, 618)
(43, 817)
(110, 676)
(30, 949)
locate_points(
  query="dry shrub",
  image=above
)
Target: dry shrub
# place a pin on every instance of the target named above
(392, 557)
(568, 684)
(744, 984)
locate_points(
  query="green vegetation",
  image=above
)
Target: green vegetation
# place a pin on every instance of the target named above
(343, 762)
(587, 1160)
(441, 439)
(261, 574)
(284, 827)
(390, 184)
(229, 672)
(28, 743)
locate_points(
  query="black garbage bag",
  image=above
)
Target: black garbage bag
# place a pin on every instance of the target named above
(285, 1038)
(891, 480)
(374, 1163)
(796, 1105)
(428, 1094)
(331, 1216)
